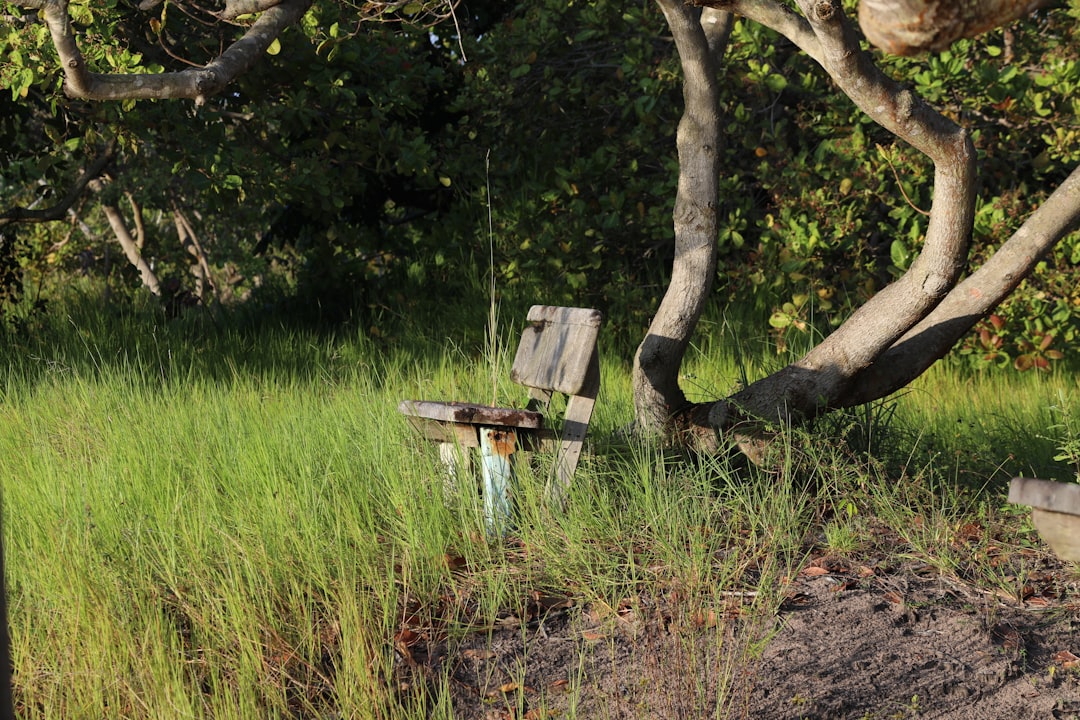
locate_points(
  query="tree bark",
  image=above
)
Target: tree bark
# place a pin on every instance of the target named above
(701, 38)
(199, 83)
(909, 27)
(972, 299)
(190, 241)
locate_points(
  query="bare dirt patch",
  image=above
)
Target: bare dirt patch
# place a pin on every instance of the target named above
(904, 645)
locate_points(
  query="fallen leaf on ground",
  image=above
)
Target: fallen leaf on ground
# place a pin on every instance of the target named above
(629, 621)
(797, 599)
(1066, 659)
(814, 571)
(1011, 640)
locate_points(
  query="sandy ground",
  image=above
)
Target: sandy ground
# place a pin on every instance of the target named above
(848, 642)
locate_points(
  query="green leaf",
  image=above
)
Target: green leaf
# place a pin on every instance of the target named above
(275, 47)
(775, 82)
(779, 319)
(899, 254)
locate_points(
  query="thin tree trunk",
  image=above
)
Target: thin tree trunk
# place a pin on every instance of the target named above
(128, 243)
(131, 249)
(137, 219)
(701, 38)
(7, 708)
(191, 244)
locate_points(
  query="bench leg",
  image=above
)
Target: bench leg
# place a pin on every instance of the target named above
(457, 462)
(497, 447)
(579, 409)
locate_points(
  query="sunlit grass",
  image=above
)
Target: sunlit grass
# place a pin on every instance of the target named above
(206, 521)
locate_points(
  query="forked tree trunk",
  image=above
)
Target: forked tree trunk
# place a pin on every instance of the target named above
(901, 331)
(701, 38)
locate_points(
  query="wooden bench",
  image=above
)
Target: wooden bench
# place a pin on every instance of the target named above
(557, 354)
(1055, 512)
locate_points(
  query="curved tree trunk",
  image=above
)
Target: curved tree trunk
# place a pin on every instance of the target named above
(701, 38)
(972, 299)
(817, 380)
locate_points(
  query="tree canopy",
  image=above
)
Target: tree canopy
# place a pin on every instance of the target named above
(356, 156)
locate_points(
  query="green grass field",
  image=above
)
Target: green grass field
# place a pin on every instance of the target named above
(213, 522)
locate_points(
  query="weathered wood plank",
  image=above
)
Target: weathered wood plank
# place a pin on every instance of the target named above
(1061, 531)
(473, 414)
(462, 434)
(1047, 495)
(555, 349)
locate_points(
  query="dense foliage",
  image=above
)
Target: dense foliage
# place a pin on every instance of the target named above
(377, 168)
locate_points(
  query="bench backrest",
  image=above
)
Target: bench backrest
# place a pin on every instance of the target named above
(558, 350)
(558, 354)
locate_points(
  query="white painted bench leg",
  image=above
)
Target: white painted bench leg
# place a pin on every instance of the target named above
(457, 464)
(497, 446)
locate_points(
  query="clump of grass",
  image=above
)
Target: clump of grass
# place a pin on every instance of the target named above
(1066, 427)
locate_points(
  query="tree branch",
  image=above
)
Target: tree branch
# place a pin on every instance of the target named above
(57, 211)
(909, 27)
(195, 83)
(774, 16)
(821, 377)
(236, 8)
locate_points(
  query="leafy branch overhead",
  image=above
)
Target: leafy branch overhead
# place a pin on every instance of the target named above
(197, 83)
(902, 27)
